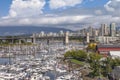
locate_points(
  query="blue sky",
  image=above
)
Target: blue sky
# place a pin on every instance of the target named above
(4, 7)
(62, 13)
(95, 3)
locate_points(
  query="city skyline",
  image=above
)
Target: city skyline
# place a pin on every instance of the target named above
(72, 14)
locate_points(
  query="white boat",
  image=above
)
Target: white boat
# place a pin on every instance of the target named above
(43, 51)
(46, 78)
(61, 70)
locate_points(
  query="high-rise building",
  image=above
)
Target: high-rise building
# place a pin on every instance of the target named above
(103, 30)
(96, 32)
(90, 31)
(61, 33)
(83, 32)
(112, 29)
(108, 29)
(42, 33)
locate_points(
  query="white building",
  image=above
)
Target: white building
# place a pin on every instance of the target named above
(41, 34)
(106, 39)
(115, 54)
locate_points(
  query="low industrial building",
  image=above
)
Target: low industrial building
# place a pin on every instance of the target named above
(107, 49)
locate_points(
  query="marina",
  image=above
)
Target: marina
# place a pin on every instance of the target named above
(37, 62)
(59, 39)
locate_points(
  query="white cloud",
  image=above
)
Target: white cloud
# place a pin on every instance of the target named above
(113, 5)
(99, 12)
(45, 20)
(29, 12)
(73, 22)
(23, 8)
(109, 8)
(54, 4)
(24, 21)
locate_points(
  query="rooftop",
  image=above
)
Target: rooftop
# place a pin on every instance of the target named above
(109, 46)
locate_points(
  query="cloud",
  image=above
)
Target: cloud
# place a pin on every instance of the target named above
(23, 8)
(98, 12)
(29, 13)
(55, 4)
(71, 21)
(113, 5)
(45, 20)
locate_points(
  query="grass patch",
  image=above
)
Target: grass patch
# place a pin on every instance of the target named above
(77, 62)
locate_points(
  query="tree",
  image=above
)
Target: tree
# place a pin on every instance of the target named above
(76, 54)
(106, 66)
(94, 60)
(68, 54)
(81, 55)
(115, 62)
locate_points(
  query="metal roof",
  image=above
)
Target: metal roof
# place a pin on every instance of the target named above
(109, 46)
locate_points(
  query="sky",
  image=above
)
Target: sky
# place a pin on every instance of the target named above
(70, 14)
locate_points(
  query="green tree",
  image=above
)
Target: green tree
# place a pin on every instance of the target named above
(115, 62)
(76, 54)
(67, 54)
(106, 66)
(95, 65)
(81, 55)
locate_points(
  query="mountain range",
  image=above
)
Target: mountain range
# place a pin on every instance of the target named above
(18, 30)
